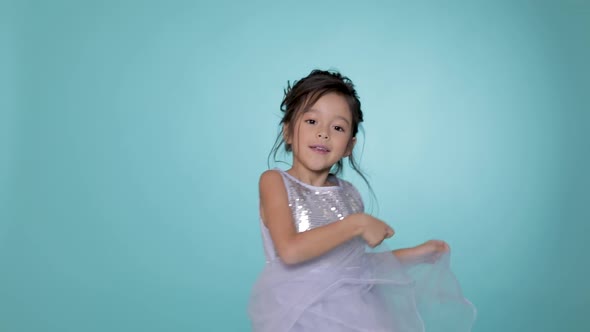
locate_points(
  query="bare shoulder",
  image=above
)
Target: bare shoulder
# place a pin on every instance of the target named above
(271, 185)
(270, 178)
(274, 201)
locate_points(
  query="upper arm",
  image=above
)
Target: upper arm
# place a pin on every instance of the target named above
(274, 209)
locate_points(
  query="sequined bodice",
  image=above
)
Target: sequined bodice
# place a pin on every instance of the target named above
(313, 206)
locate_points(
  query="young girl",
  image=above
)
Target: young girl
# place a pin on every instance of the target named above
(318, 274)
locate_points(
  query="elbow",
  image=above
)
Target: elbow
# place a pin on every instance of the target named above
(290, 256)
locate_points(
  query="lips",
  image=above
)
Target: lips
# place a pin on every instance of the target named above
(320, 148)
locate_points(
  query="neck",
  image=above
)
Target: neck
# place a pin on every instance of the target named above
(314, 178)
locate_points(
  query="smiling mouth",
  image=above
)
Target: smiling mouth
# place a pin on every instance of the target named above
(320, 148)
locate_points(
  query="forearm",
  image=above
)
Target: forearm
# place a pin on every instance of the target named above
(318, 241)
(427, 252)
(407, 256)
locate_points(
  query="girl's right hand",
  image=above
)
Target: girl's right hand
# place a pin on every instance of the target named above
(374, 231)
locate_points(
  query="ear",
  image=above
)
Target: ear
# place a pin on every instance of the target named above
(350, 147)
(286, 136)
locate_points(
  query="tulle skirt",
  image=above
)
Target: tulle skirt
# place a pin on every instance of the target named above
(351, 289)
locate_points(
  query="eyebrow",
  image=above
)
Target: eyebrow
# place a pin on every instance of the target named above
(338, 116)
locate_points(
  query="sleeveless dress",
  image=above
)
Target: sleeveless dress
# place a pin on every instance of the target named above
(351, 288)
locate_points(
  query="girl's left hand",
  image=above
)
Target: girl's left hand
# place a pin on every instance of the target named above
(430, 251)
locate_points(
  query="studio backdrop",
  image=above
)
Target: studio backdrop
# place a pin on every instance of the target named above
(133, 134)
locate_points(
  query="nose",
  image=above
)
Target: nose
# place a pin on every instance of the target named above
(323, 135)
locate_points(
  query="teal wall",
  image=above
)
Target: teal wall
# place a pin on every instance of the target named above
(132, 135)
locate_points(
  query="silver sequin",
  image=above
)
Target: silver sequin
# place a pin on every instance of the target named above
(313, 207)
(334, 202)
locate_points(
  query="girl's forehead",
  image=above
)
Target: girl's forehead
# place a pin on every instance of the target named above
(331, 109)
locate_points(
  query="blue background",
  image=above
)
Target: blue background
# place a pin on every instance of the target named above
(132, 135)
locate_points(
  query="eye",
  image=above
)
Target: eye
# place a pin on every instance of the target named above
(310, 121)
(338, 128)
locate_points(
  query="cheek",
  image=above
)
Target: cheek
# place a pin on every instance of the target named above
(343, 143)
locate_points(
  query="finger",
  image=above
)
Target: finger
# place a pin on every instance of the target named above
(379, 242)
(388, 233)
(447, 247)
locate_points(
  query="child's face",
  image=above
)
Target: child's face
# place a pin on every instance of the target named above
(323, 135)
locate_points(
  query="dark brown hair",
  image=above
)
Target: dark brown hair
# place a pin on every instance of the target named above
(300, 96)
